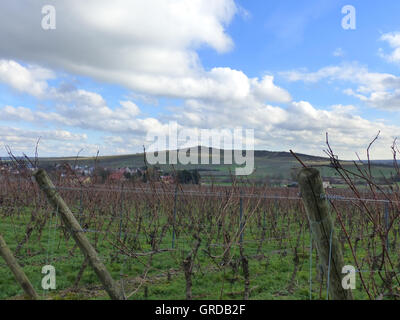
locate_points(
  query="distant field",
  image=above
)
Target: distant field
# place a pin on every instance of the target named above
(272, 165)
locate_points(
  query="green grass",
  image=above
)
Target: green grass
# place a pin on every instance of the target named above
(269, 272)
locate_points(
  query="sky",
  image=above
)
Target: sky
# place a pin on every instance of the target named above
(109, 72)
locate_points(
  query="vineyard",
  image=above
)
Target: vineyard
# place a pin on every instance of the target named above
(196, 242)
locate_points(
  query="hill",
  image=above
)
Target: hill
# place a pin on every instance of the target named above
(277, 167)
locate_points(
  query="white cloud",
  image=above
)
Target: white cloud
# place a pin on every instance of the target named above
(378, 90)
(150, 48)
(10, 134)
(31, 79)
(266, 90)
(393, 39)
(52, 143)
(339, 52)
(300, 125)
(85, 116)
(219, 84)
(128, 109)
(146, 46)
(276, 128)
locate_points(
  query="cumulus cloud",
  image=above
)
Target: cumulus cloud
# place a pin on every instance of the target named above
(146, 46)
(150, 48)
(219, 84)
(299, 125)
(266, 90)
(53, 142)
(378, 90)
(31, 79)
(276, 128)
(393, 39)
(303, 127)
(97, 117)
(74, 107)
(10, 134)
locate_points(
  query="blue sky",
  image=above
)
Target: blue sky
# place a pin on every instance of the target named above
(110, 73)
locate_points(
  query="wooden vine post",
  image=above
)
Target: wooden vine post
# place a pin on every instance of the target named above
(321, 223)
(16, 269)
(76, 230)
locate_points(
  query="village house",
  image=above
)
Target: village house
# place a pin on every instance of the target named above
(167, 179)
(117, 176)
(326, 184)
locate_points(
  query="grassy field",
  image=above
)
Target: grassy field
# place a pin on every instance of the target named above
(270, 271)
(276, 243)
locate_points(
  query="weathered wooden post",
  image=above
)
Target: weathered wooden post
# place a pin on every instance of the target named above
(19, 274)
(321, 224)
(76, 230)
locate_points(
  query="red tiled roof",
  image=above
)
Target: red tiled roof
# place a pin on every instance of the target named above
(117, 175)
